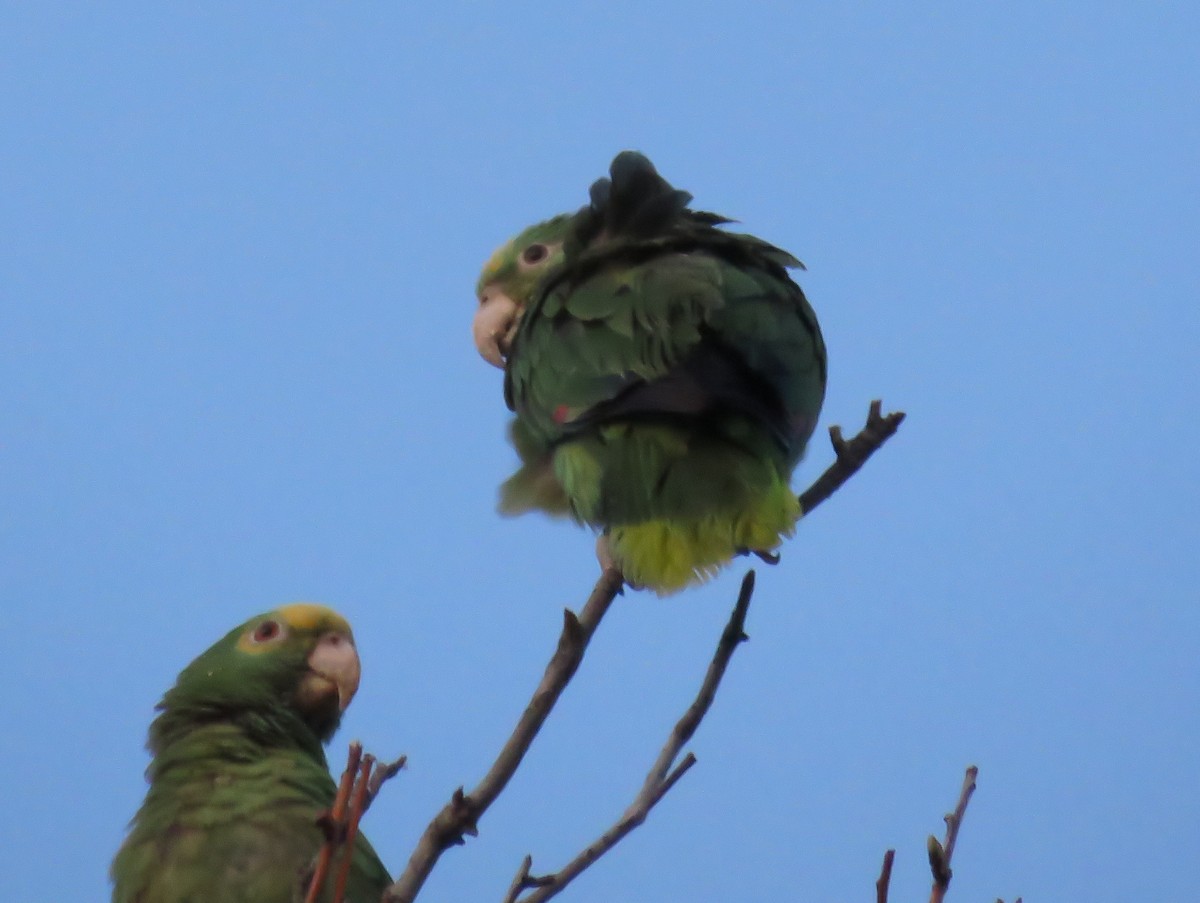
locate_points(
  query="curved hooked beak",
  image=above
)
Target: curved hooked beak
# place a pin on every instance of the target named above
(333, 667)
(495, 325)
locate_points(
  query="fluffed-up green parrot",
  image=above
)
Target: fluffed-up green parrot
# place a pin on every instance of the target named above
(665, 375)
(238, 775)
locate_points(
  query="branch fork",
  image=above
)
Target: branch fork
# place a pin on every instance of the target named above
(663, 774)
(940, 852)
(851, 454)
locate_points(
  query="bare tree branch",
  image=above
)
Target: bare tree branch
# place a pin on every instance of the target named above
(851, 454)
(661, 777)
(733, 635)
(460, 816)
(941, 853)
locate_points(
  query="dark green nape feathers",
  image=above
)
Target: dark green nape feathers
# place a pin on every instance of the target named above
(239, 776)
(665, 375)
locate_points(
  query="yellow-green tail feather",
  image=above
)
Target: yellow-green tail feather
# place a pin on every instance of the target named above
(667, 555)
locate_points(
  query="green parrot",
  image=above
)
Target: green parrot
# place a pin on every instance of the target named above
(665, 376)
(238, 775)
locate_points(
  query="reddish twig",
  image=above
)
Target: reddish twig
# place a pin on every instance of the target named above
(940, 854)
(851, 454)
(359, 784)
(885, 877)
(332, 822)
(661, 777)
(354, 814)
(460, 816)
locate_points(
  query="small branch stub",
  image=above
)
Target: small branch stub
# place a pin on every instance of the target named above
(851, 454)
(885, 877)
(383, 773)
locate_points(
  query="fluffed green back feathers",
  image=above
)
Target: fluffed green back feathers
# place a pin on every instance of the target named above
(666, 375)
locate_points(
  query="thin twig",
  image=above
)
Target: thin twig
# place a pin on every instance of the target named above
(332, 822)
(885, 877)
(954, 819)
(353, 816)
(523, 881)
(520, 881)
(384, 772)
(460, 816)
(661, 777)
(851, 454)
(731, 637)
(940, 854)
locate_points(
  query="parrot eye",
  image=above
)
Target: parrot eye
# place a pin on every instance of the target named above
(266, 631)
(534, 254)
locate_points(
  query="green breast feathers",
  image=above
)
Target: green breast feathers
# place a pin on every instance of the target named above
(665, 376)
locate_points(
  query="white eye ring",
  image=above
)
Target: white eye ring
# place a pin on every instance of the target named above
(268, 631)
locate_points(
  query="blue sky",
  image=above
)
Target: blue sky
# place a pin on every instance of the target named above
(237, 251)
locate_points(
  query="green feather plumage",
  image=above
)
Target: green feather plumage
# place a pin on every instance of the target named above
(666, 375)
(237, 781)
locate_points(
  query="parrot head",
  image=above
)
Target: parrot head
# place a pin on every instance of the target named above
(508, 281)
(299, 658)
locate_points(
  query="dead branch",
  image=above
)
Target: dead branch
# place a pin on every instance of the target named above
(851, 454)
(661, 777)
(460, 816)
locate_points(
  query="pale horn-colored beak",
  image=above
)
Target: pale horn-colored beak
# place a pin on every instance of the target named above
(333, 666)
(494, 324)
